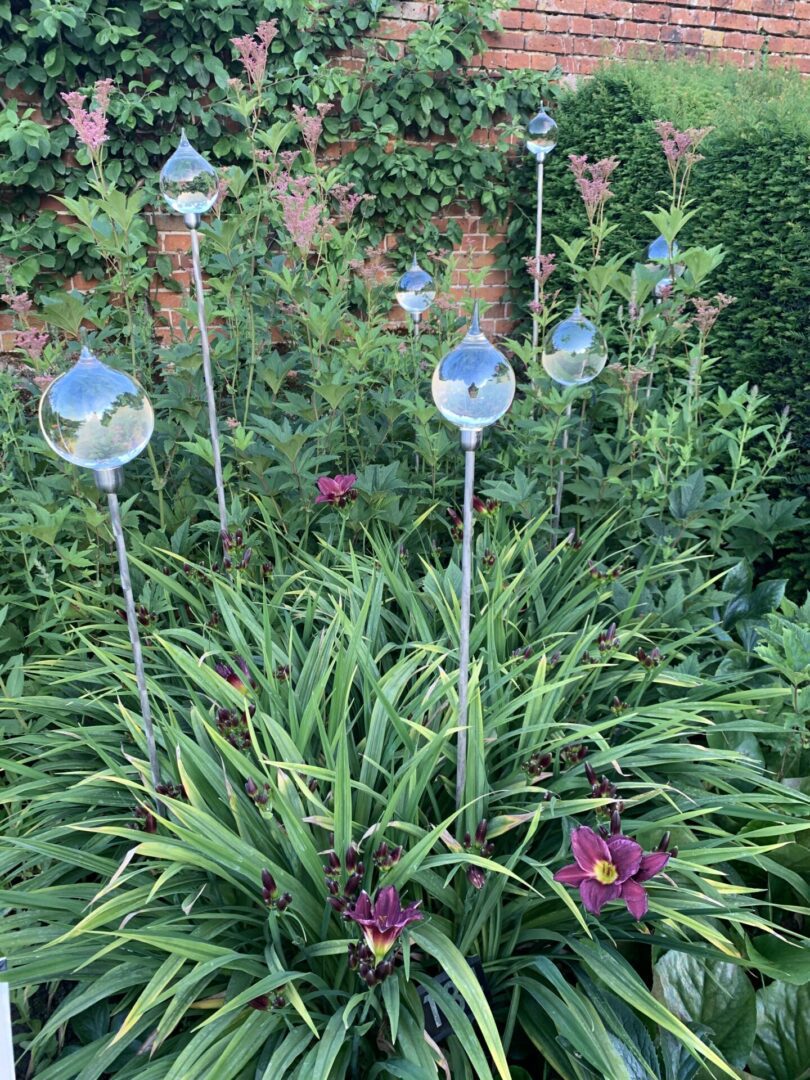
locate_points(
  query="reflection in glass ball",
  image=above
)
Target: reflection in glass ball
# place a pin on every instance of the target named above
(473, 385)
(187, 181)
(415, 289)
(660, 251)
(95, 416)
(542, 135)
(575, 350)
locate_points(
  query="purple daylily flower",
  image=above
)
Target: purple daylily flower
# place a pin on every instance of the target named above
(608, 869)
(241, 679)
(336, 490)
(383, 921)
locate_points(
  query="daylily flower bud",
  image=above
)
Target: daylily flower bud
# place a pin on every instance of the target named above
(350, 860)
(352, 885)
(268, 881)
(664, 842)
(251, 788)
(615, 823)
(481, 831)
(589, 772)
(476, 876)
(284, 902)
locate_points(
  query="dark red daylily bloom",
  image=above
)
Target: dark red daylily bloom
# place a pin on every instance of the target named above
(337, 490)
(610, 868)
(240, 679)
(383, 921)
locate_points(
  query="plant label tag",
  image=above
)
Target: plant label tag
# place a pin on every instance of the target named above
(437, 1026)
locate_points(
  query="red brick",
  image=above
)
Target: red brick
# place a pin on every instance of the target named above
(570, 7)
(784, 26)
(691, 17)
(175, 241)
(532, 21)
(788, 45)
(733, 20)
(507, 39)
(658, 13)
(543, 43)
(511, 20)
(558, 24)
(167, 300)
(734, 40)
(541, 61)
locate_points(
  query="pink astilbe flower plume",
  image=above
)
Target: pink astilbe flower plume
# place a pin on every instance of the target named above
(707, 311)
(31, 342)
(593, 181)
(311, 124)
(253, 53)
(90, 125)
(20, 303)
(681, 151)
(543, 272)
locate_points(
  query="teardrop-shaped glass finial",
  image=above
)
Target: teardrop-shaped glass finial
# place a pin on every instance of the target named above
(473, 385)
(575, 350)
(96, 416)
(541, 135)
(415, 289)
(188, 182)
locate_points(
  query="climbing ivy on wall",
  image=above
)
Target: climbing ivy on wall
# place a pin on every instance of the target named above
(171, 61)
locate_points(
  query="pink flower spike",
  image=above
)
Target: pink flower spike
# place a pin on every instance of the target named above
(31, 342)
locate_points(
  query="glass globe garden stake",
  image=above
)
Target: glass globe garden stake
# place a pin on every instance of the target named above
(473, 386)
(99, 418)
(574, 353)
(415, 293)
(541, 139)
(658, 252)
(189, 185)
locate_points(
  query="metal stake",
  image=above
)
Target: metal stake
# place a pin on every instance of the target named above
(6, 1043)
(555, 518)
(537, 249)
(192, 222)
(470, 441)
(109, 481)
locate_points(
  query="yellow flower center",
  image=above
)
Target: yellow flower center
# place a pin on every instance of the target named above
(605, 872)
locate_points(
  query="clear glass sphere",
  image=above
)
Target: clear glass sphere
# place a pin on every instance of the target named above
(473, 385)
(415, 289)
(95, 416)
(188, 182)
(575, 350)
(541, 132)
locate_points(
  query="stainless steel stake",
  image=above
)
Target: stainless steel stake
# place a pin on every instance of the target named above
(108, 481)
(192, 222)
(470, 441)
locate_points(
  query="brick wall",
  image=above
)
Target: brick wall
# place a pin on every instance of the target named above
(576, 35)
